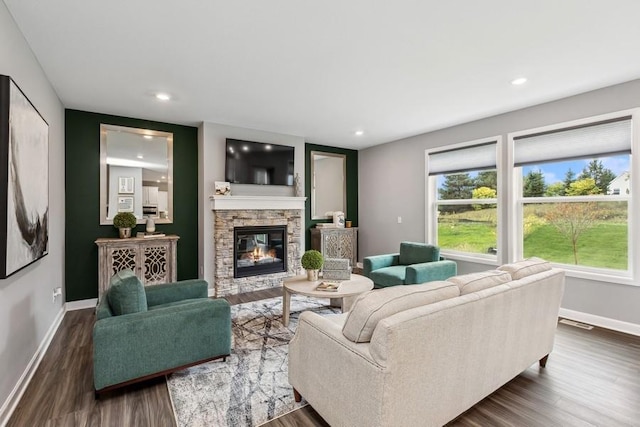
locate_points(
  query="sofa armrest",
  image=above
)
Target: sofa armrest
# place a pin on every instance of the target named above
(176, 291)
(329, 370)
(134, 345)
(430, 271)
(375, 262)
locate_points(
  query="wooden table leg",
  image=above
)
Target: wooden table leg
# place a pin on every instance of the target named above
(286, 302)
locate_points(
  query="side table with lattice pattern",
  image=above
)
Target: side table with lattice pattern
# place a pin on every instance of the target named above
(153, 260)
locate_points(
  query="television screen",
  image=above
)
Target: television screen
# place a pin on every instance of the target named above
(258, 163)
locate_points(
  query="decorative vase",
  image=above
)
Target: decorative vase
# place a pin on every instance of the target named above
(151, 226)
(297, 186)
(312, 275)
(124, 233)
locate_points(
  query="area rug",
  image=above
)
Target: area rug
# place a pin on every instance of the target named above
(252, 386)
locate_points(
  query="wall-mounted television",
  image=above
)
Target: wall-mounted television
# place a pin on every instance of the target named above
(258, 163)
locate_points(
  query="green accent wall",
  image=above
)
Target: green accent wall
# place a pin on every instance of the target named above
(351, 213)
(82, 198)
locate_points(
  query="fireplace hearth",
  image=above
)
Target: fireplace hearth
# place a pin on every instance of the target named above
(259, 250)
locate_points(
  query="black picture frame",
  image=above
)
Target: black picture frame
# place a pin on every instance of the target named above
(24, 180)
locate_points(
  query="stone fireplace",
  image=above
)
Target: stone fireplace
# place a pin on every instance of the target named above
(243, 224)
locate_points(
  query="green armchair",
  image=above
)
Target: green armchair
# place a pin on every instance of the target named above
(143, 332)
(415, 263)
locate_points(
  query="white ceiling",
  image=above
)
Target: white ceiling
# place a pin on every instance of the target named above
(324, 69)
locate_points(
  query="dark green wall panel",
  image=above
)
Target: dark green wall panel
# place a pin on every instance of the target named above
(351, 212)
(82, 193)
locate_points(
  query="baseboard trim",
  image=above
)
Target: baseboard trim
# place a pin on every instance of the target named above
(81, 304)
(603, 322)
(16, 394)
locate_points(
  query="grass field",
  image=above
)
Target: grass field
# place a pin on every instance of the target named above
(604, 245)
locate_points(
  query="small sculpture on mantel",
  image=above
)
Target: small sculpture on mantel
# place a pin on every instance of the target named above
(297, 186)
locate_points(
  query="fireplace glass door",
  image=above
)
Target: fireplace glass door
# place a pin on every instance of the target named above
(259, 250)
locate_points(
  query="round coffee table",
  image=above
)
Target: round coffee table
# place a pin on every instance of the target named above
(349, 289)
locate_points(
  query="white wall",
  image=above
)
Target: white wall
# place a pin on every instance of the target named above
(392, 184)
(116, 172)
(27, 312)
(211, 160)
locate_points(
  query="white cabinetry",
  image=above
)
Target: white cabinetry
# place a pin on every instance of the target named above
(149, 196)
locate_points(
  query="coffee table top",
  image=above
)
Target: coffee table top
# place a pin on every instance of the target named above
(354, 286)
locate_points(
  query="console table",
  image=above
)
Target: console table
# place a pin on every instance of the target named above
(336, 243)
(153, 260)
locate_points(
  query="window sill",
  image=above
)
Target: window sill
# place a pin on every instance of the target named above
(468, 257)
(613, 277)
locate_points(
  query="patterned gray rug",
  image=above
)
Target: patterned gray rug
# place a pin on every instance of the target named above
(251, 387)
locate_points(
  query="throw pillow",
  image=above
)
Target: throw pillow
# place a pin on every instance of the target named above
(526, 267)
(373, 306)
(126, 294)
(474, 282)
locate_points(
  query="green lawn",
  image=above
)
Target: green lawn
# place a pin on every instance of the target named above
(604, 245)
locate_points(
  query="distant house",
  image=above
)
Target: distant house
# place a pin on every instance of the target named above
(620, 185)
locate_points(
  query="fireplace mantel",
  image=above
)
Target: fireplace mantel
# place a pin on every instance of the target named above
(219, 203)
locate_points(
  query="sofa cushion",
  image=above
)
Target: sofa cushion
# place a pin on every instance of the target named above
(416, 253)
(126, 294)
(389, 276)
(373, 306)
(526, 267)
(474, 282)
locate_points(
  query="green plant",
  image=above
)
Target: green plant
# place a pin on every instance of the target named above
(312, 260)
(124, 220)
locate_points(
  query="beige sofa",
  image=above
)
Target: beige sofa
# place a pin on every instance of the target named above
(421, 355)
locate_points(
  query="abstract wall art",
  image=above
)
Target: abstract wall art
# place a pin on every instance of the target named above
(24, 180)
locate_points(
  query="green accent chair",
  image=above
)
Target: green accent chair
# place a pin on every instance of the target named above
(415, 263)
(144, 332)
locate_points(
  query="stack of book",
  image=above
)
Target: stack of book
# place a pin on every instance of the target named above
(148, 235)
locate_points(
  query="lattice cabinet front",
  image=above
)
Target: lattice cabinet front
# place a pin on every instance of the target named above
(336, 243)
(153, 260)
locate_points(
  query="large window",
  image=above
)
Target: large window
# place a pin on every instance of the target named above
(462, 199)
(572, 186)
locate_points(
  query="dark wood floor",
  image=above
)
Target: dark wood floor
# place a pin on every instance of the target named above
(592, 379)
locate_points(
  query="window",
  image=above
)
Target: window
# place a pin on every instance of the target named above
(462, 199)
(572, 187)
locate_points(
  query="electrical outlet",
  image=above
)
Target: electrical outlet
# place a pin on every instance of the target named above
(399, 220)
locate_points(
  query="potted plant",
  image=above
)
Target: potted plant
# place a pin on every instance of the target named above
(124, 222)
(312, 262)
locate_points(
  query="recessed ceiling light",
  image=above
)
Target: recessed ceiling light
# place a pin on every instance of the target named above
(158, 180)
(519, 81)
(267, 147)
(163, 96)
(140, 156)
(147, 137)
(359, 132)
(164, 177)
(245, 148)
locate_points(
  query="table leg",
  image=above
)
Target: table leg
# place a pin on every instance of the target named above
(286, 302)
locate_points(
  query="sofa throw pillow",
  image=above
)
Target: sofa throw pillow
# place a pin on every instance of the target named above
(126, 294)
(417, 253)
(373, 306)
(526, 267)
(474, 282)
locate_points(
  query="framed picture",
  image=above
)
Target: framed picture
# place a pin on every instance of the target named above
(24, 180)
(125, 203)
(125, 185)
(223, 188)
